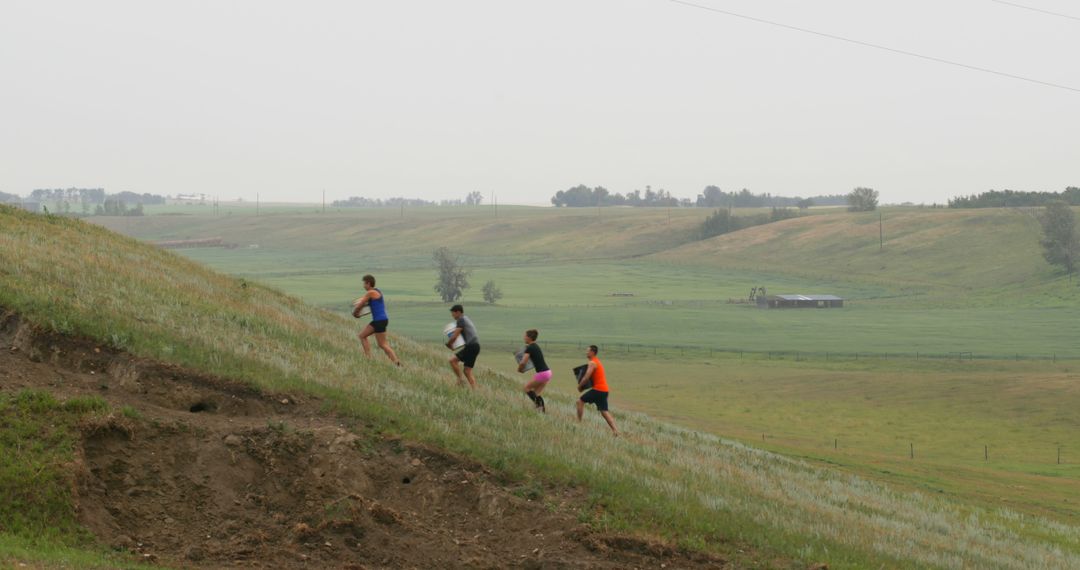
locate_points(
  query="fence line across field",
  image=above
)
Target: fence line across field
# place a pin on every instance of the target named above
(799, 355)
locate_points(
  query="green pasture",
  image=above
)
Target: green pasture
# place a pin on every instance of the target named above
(684, 306)
(984, 433)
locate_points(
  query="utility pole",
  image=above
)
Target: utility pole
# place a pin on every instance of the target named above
(881, 232)
(324, 200)
(256, 204)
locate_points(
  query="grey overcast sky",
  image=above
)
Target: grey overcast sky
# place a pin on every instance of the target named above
(434, 99)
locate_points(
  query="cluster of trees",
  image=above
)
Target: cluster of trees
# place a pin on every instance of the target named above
(722, 221)
(1014, 199)
(712, 197)
(1061, 244)
(474, 198)
(6, 198)
(454, 279)
(583, 196)
(361, 202)
(63, 200)
(114, 207)
(471, 199)
(862, 200)
(144, 199)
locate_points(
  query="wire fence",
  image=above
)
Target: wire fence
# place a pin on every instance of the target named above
(798, 355)
(990, 454)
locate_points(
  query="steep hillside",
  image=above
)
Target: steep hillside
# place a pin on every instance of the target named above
(198, 471)
(65, 276)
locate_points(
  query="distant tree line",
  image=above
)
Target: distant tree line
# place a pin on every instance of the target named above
(93, 200)
(1015, 198)
(723, 222)
(582, 196)
(471, 199)
(114, 207)
(6, 198)
(714, 197)
(361, 202)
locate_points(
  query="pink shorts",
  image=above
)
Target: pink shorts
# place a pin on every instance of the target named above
(542, 376)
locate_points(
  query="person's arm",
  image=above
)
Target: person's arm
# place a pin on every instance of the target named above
(588, 376)
(453, 336)
(362, 300)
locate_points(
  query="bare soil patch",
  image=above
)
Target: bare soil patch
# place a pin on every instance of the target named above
(213, 473)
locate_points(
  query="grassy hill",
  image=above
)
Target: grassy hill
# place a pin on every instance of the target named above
(924, 256)
(943, 257)
(685, 485)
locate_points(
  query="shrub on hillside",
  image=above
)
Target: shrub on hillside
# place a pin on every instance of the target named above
(723, 222)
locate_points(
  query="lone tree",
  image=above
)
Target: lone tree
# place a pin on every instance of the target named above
(474, 198)
(862, 200)
(453, 280)
(492, 294)
(1061, 245)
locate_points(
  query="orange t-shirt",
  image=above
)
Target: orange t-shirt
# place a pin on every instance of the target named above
(599, 381)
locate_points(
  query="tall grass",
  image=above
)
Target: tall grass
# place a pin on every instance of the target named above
(688, 486)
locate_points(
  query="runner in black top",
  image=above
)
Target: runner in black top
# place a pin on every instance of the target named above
(540, 379)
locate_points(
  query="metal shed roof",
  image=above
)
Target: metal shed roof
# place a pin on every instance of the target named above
(809, 297)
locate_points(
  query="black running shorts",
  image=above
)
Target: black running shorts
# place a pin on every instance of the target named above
(595, 397)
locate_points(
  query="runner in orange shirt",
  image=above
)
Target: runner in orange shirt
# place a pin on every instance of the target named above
(599, 393)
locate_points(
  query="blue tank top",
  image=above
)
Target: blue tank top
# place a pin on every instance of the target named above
(378, 308)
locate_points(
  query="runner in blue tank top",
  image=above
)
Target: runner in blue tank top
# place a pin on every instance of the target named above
(379, 320)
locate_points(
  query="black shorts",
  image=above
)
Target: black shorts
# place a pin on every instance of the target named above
(380, 326)
(468, 353)
(598, 398)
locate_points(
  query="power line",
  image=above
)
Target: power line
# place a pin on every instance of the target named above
(876, 46)
(1036, 9)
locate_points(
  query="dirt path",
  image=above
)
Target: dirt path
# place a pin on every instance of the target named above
(215, 474)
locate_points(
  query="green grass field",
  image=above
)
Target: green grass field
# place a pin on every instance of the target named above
(995, 298)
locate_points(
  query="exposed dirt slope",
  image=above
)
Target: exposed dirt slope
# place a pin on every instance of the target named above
(216, 474)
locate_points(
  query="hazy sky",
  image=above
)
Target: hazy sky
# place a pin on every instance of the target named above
(435, 99)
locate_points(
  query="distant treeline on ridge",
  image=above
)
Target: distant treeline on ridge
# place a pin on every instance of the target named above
(92, 196)
(1015, 198)
(473, 198)
(712, 197)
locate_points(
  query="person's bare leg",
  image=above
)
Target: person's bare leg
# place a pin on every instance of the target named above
(610, 422)
(385, 346)
(457, 370)
(580, 410)
(364, 334)
(469, 376)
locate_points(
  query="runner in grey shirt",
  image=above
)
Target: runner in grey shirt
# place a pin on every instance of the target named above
(466, 357)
